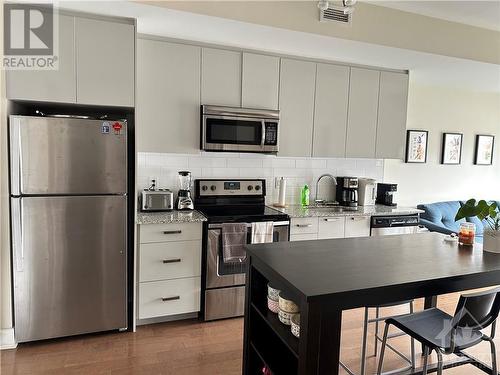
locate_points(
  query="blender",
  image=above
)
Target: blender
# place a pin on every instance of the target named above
(184, 201)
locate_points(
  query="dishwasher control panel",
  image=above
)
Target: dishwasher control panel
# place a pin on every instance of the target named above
(394, 221)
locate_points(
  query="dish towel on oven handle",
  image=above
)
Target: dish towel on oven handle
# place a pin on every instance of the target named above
(234, 239)
(262, 232)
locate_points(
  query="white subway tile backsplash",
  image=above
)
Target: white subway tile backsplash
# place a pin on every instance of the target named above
(225, 172)
(279, 162)
(256, 172)
(311, 163)
(207, 162)
(245, 163)
(297, 171)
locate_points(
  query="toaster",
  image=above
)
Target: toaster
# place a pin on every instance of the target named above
(157, 200)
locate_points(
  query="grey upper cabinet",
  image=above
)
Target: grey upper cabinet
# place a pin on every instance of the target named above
(297, 86)
(105, 62)
(330, 110)
(362, 113)
(221, 77)
(391, 128)
(168, 97)
(260, 81)
(49, 85)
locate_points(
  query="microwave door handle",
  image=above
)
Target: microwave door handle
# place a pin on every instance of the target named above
(263, 138)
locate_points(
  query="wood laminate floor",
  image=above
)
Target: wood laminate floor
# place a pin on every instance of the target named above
(187, 347)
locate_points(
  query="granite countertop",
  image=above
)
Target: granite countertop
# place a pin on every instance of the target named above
(377, 210)
(169, 217)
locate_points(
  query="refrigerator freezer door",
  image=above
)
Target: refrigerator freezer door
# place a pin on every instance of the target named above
(67, 156)
(69, 265)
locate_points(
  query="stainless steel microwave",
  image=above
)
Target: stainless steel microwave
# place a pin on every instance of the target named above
(239, 129)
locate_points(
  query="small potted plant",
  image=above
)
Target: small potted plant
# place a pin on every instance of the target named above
(488, 213)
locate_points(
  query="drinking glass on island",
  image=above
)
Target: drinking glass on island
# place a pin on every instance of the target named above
(466, 234)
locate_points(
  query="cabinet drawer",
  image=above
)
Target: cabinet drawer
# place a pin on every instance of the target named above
(303, 237)
(331, 227)
(357, 226)
(171, 297)
(170, 232)
(169, 260)
(300, 225)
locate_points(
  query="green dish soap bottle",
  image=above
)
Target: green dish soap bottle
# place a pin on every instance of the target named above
(304, 195)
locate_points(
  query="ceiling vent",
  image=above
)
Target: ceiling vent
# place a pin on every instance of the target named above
(335, 14)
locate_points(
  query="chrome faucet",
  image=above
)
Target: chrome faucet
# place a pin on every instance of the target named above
(317, 184)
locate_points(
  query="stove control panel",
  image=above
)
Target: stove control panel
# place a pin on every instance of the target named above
(231, 187)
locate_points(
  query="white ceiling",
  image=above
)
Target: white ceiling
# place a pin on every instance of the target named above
(485, 14)
(425, 68)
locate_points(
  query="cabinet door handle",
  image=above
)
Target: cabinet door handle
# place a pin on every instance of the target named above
(358, 218)
(166, 299)
(172, 232)
(332, 219)
(176, 260)
(304, 225)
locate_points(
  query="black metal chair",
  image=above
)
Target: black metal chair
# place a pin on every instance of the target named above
(446, 334)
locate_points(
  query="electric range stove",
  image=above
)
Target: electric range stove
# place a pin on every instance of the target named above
(225, 201)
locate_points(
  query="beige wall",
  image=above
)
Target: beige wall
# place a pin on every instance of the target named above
(5, 290)
(371, 24)
(442, 109)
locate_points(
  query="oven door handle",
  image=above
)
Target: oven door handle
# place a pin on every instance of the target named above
(276, 224)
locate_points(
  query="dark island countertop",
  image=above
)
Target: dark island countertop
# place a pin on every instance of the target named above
(326, 277)
(325, 268)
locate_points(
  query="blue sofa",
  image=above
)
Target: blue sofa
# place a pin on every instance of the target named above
(440, 217)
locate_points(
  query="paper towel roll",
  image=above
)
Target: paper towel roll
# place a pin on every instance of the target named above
(282, 192)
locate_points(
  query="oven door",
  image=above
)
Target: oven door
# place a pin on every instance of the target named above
(228, 133)
(221, 274)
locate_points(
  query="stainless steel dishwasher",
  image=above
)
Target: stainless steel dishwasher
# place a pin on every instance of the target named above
(395, 224)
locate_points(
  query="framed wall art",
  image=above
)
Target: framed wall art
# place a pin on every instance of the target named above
(416, 146)
(451, 152)
(484, 149)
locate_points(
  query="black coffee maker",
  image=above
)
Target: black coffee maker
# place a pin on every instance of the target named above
(347, 191)
(386, 194)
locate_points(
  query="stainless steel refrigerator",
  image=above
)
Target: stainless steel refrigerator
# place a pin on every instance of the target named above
(69, 225)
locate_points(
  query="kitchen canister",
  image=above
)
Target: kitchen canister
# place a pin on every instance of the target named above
(286, 304)
(295, 325)
(285, 317)
(272, 305)
(272, 292)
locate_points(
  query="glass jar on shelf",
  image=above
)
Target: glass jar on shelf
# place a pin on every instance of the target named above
(467, 234)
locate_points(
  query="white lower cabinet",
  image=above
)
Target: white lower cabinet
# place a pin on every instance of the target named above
(331, 227)
(304, 237)
(170, 232)
(303, 225)
(321, 228)
(357, 226)
(169, 297)
(160, 261)
(169, 269)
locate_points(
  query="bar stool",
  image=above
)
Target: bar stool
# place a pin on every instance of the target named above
(377, 338)
(446, 334)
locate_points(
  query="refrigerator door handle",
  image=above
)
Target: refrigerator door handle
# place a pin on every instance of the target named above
(15, 154)
(17, 233)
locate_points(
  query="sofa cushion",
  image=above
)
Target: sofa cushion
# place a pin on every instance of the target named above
(442, 213)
